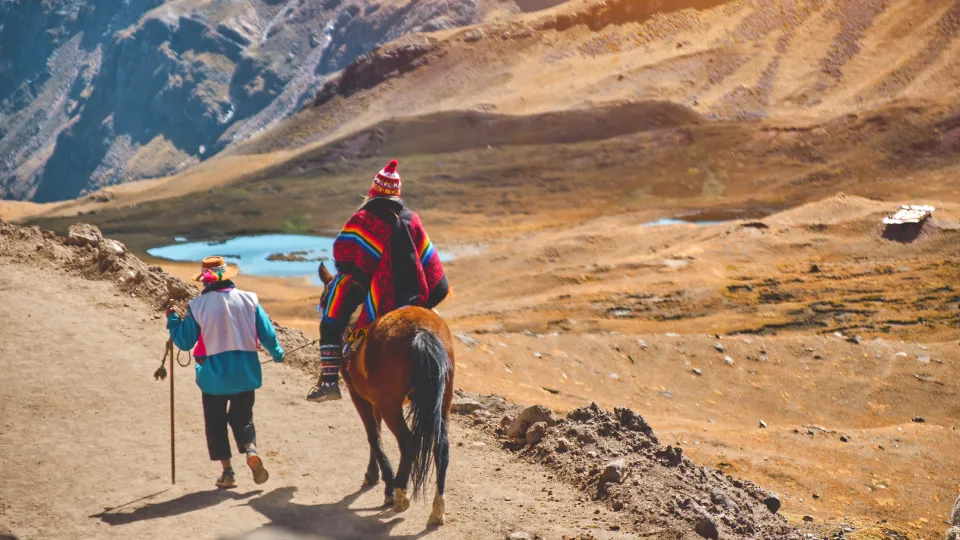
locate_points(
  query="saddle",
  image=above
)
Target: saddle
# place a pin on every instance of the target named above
(352, 338)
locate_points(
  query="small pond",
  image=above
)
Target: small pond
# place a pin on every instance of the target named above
(673, 221)
(275, 255)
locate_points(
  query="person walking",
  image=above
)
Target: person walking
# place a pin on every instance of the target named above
(225, 324)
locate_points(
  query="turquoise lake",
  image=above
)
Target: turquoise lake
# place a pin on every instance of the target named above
(250, 253)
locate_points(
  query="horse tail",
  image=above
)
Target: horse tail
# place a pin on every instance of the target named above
(431, 366)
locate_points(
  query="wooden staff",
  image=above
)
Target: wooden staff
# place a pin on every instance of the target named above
(173, 444)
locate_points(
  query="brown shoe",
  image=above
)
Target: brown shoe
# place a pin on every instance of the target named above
(260, 474)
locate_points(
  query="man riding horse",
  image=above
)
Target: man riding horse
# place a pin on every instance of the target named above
(384, 261)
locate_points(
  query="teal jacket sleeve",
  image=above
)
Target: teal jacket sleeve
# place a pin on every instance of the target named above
(184, 333)
(268, 336)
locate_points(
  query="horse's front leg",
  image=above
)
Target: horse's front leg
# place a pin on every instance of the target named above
(385, 468)
(394, 420)
(368, 416)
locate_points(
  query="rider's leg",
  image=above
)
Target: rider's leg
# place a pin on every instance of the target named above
(344, 298)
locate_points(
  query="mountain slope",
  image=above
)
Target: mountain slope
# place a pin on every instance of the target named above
(117, 90)
(740, 60)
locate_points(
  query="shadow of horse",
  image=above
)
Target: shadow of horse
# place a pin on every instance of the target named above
(336, 521)
(184, 504)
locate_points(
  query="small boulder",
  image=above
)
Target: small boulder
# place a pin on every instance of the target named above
(536, 433)
(586, 436)
(772, 502)
(707, 527)
(464, 405)
(563, 445)
(856, 340)
(721, 499)
(614, 472)
(953, 533)
(473, 35)
(113, 247)
(720, 348)
(531, 415)
(83, 234)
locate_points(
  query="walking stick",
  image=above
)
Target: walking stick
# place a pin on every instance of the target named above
(160, 374)
(173, 444)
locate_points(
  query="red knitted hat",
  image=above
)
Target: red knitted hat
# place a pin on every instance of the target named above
(387, 181)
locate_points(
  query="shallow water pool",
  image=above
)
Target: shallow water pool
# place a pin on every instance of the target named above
(673, 221)
(252, 254)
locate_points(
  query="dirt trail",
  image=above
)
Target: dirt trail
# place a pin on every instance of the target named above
(84, 429)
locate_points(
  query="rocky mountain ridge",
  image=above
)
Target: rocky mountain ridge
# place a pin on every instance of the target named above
(115, 91)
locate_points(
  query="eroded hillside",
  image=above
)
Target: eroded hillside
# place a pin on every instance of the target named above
(115, 91)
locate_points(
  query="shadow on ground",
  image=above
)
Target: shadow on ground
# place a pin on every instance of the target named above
(288, 520)
(184, 504)
(337, 521)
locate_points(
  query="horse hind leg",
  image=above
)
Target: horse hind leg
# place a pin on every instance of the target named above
(441, 453)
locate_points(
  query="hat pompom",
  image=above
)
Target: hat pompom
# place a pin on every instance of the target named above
(391, 167)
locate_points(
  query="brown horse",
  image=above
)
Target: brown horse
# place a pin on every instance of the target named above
(406, 355)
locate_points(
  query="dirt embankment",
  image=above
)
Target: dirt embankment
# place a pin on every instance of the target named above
(616, 457)
(85, 252)
(636, 485)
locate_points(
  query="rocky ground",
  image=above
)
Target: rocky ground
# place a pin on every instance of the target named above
(608, 466)
(809, 320)
(615, 457)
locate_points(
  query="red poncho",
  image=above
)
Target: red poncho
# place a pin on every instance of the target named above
(364, 250)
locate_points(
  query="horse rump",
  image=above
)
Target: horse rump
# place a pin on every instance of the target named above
(431, 367)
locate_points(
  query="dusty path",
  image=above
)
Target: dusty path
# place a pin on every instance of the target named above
(83, 428)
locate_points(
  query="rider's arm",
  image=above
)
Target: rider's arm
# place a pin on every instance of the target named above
(439, 293)
(268, 336)
(184, 333)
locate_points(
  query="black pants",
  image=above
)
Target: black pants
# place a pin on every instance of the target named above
(216, 416)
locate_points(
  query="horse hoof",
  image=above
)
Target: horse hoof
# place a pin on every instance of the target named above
(388, 500)
(371, 481)
(436, 517)
(400, 500)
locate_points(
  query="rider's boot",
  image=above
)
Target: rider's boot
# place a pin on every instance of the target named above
(328, 387)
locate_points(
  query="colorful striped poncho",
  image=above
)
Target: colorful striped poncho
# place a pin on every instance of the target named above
(364, 255)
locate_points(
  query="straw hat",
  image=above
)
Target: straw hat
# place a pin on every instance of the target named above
(216, 266)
